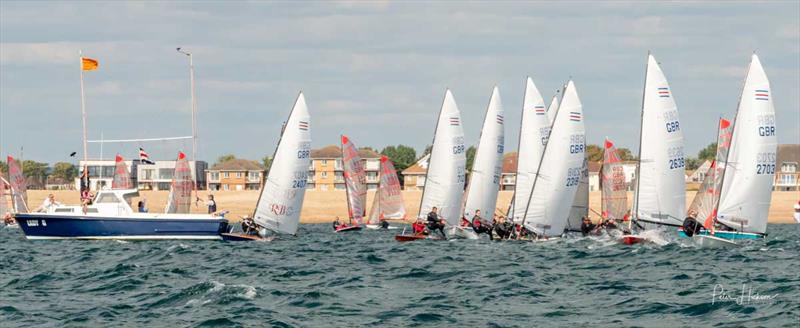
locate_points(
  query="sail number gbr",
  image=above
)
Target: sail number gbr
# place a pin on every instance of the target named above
(458, 145)
(577, 144)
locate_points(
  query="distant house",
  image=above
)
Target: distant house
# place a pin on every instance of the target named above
(508, 177)
(786, 174)
(235, 174)
(157, 176)
(327, 172)
(594, 175)
(699, 174)
(414, 175)
(629, 167)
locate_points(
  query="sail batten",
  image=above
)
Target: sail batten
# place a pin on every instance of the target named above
(484, 182)
(746, 189)
(281, 200)
(444, 180)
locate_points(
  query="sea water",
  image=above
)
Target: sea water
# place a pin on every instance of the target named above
(326, 279)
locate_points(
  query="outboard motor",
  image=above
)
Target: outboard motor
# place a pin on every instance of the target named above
(691, 227)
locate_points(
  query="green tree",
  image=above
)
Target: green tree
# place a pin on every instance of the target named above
(625, 154)
(225, 158)
(692, 163)
(3, 168)
(470, 157)
(594, 153)
(35, 173)
(65, 171)
(708, 153)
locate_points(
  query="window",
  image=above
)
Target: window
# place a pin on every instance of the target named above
(324, 175)
(164, 185)
(214, 176)
(148, 174)
(108, 171)
(238, 174)
(324, 162)
(226, 175)
(420, 181)
(788, 179)
(107, 198)
(253, 175)
(339, 186)
(226, 187)
(165, 174)
(789, 167)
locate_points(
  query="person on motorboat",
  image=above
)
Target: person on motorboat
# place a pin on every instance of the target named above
(479, 225)
(48, 203)
(210, 203)
(435, 222)
(587, 226)
(419, 227)
(142, 206)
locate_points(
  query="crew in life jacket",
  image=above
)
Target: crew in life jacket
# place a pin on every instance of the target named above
(479, 225)
(690, 225)
(419, 227)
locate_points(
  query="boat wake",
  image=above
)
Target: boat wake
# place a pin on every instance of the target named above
(221, 293)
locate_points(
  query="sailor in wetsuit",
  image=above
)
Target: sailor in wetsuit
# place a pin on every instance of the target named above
(336, 223)
(587, 226)
(434, 222)
(384, 224)
(479, 225)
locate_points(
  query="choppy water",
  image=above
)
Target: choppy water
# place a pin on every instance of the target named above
(347, 280)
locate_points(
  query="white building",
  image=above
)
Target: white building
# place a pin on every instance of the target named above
(156, 176)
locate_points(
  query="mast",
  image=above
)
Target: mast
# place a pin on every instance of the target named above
(83, 110)
(194, 116)
(272, 160)
(635, 211)
(430, 156)
(544, 151)
(510, 212)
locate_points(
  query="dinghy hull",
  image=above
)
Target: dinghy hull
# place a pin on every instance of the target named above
(726, 234)
(47, 226)
(706, 241)
(405, 238)
(348, 228)
(461, 233)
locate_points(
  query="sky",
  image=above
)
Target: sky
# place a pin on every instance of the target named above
(374, 70)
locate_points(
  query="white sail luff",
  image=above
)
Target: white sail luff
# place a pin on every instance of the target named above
(534, 132)
(749, 171)
(662, 184)
(551, 110)
(484, 182)
(282, 196)
(444, 181)
(560, 171)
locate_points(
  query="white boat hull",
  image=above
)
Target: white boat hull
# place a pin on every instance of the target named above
(460, 233)
(378, 227)
(705, 241)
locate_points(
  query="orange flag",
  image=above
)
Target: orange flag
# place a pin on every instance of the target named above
(89, 64)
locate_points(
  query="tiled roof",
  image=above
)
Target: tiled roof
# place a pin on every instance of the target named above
(334, 151)
(420, 167)
(510, 162)
(238, 165)
(788, 153)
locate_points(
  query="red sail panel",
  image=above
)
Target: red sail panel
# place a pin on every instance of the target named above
(355, 178)
(180, 193)
(389, 195)
(122, 178)
(706, 200)
(615, 189)
(3, 202)
(19, 187)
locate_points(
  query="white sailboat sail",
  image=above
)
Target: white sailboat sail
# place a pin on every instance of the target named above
(355, 178)
(484, 181)
(388, 202)
(444, 181)
(749, 173)
(4, 208)
(560, 171)
(281, 199)
(551, 110)
(661, 185)
(533, 134)
(580, 205)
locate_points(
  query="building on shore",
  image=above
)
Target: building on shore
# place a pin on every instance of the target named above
(157, 176)
(414, 175)
(236, 174)
(327, 172)
(787, 178)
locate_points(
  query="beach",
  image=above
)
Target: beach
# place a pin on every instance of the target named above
(324, 206)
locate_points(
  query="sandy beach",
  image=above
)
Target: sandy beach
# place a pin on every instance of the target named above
(324, 206)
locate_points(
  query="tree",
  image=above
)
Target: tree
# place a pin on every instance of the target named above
(225, 158)
(625, 154)
(3, 168)
(692, 163)
(65, 171)
(594, 153)
(428, 150)
(35, 173)
(470, 157)
(708, 153)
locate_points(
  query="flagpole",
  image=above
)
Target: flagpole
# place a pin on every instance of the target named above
(194, 117)
(83, 110)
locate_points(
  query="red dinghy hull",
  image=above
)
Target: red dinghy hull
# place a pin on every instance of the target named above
(348, 228)
(630, 240)
(405, 238)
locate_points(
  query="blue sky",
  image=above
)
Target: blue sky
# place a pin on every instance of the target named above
(376, 70)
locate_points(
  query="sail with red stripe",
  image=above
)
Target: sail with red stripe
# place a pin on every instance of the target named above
(355, 178)
(388, 203)
(706, 199)
(122, 178)
(612, 179)
(180, 192)
(3, 202)
(19, 187)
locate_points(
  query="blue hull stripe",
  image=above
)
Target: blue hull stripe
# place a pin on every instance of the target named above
(727, 234)
(74, 227)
